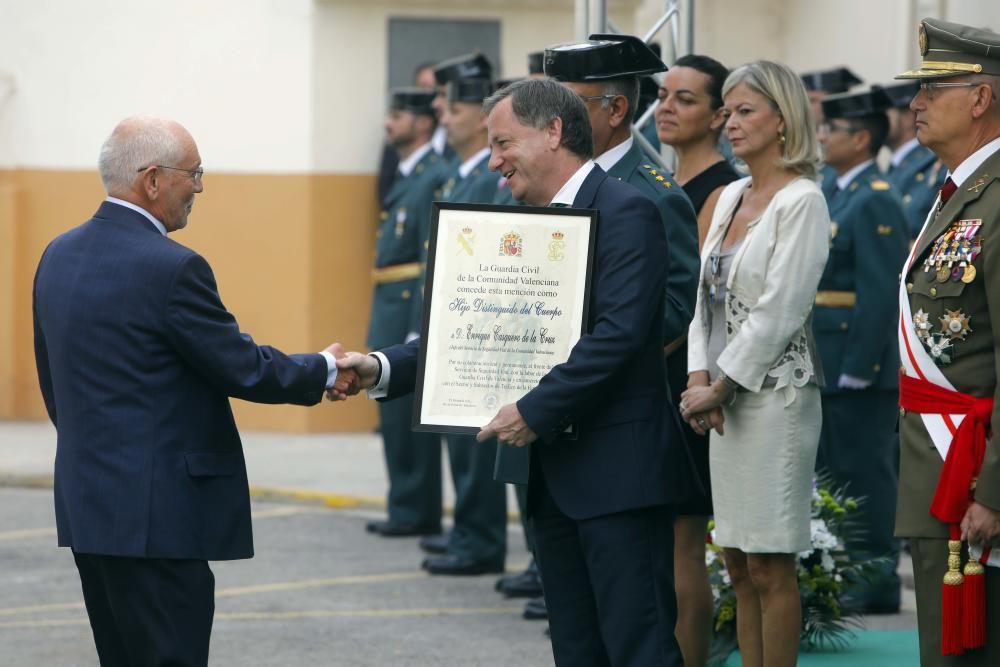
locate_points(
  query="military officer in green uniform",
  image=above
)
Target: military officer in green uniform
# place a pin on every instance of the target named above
(605, 72)
(466, 66)
(413, 460)
(949, 327)
(477, 543)
(854, 327)
(915, 171)
(818, 85)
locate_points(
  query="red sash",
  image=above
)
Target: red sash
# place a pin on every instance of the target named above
(963, 598)
(953, 493)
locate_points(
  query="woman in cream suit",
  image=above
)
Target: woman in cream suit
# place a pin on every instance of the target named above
(753, 373)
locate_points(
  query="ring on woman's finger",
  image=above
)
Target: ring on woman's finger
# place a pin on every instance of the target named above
(702, 423)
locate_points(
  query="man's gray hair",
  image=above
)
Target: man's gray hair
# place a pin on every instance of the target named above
(137, 142)
(627, 87)
(537, 102)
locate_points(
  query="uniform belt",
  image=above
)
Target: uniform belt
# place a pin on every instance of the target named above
(836, 299)
(397, 272)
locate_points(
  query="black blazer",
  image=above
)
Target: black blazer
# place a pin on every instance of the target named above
(137, 358)
(613, 386)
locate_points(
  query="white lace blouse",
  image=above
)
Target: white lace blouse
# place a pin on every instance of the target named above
(769, 292)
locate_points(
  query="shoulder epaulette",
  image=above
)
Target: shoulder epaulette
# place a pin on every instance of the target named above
(657, 177)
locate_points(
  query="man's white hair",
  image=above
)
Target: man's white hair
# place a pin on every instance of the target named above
(138, 142)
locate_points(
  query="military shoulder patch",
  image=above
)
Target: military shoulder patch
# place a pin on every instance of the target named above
(657, 176)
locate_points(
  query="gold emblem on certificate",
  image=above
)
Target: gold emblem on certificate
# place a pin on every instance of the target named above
(466, 238)
(557, 247)
(510, 245)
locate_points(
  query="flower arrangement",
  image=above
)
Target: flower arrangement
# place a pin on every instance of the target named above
(824, 572)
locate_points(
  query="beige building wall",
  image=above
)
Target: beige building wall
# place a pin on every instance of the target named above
(286, 101)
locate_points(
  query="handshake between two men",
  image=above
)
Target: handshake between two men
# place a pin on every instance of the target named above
(357, 371)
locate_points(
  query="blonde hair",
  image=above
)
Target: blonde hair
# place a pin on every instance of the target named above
(784, 90)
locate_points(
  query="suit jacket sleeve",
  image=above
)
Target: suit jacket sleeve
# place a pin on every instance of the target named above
(42, 361)
(880, 248)
(799, 244)
(208, 338)
(628, 296)
(682, 279)
(403, 368)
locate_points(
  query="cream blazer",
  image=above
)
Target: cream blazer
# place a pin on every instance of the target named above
(770, 290)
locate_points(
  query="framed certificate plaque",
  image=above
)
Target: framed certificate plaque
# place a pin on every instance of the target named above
(506, 299)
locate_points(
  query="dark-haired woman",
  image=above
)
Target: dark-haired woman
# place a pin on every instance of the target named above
(689, 118)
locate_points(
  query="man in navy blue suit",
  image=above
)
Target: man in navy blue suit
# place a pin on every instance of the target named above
(137, 358)
(601, 504)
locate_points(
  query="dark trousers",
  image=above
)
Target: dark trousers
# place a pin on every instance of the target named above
(608, 583)
(413, 463)
(858, 448)
(480, 530)
(148, 612)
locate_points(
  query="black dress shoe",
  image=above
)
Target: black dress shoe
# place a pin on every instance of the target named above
(534, 610)
(390, 529)
(527, 584)
(435, 544)
(459, 566)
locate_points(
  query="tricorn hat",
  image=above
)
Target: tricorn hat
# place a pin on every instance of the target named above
(856, 105)
(836, 80)
(600, 58)
(467, 66)
(415, 100)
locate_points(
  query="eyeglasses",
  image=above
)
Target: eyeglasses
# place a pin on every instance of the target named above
(196, 174)
(588, 98)
(931, 87)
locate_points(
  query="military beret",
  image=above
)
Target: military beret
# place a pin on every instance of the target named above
(600, 58)
(856, 105)
(951, 49)
(469, 90)
(836, 80)
(900, 93)
(468, 66)
(415, 100)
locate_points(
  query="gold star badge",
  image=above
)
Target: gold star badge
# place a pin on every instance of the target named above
(955, 324)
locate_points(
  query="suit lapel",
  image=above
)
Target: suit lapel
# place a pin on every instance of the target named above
(968, 191)
(588, 191)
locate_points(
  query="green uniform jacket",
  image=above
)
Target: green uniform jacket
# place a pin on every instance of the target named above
(681, 225)
(869, 243)
(974, 361)
(917, 180)
(478, 187)
(403, 229)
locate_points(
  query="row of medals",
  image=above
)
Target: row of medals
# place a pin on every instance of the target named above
(954, 252)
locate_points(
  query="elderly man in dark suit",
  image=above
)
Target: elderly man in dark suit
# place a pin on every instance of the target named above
(137, 358)
(601, 504)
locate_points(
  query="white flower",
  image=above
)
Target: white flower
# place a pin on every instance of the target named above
(710, 557)
(826, 560)
(822, 538)
(725, 578)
